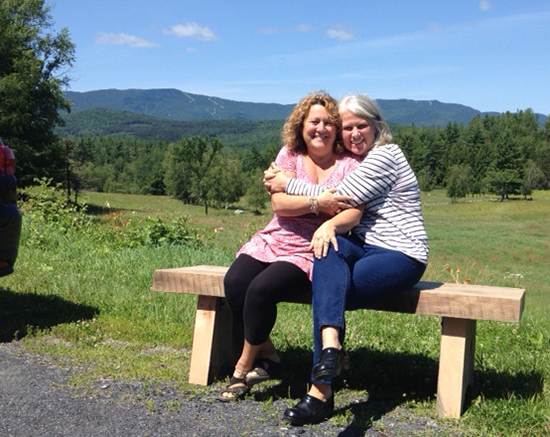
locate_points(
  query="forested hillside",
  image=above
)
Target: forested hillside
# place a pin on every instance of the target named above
(233, 133)
(503, 155)
(174, 104)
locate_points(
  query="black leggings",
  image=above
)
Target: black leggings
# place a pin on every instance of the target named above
(254, 288)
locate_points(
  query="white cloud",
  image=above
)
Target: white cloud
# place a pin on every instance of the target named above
(339, 34)
(435, 27)
(484, 5)
(191, 30)
(123, 39)
(269, 30)
(302, 28)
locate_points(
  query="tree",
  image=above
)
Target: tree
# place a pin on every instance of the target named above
(256, 193)
(424, 180)
(533, 178)
(33, 72)
(506, 170)
(475, 150)
(72, 168)
(189, 170)
(405, 137)
(252, 159)
(502, 182)
(547, 129)
(175, 180)
(544, 165)
(227, 181)
(459, 181)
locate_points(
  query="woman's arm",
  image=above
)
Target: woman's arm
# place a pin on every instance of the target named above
(290, 206)
(275, 179)
(286, 205)
(374, 176)
(339, 224)
(327, 202)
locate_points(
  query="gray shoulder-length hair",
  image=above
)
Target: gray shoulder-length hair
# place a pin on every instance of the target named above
(367, 108)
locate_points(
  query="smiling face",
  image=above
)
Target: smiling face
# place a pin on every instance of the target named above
(357, 133)
(319, 131)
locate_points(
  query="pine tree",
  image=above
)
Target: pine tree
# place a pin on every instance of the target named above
(33, 66)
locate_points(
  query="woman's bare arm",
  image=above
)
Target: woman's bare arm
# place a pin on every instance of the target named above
(339, 224)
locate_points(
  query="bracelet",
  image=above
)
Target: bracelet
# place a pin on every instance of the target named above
(314, 205)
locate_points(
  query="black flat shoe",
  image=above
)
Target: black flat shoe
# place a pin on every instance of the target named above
(309, 410)
(330, 364)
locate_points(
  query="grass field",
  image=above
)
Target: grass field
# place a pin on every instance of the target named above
(87, 302)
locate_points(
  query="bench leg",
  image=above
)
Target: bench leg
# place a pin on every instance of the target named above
(212, 340)
(456, 365)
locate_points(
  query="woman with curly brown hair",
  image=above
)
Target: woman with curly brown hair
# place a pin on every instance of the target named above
(276, 264)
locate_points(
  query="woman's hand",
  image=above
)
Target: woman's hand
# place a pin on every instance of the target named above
(322, 238)
(332, 204)
(275, 180)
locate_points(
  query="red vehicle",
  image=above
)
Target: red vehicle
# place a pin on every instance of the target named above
(10, 217)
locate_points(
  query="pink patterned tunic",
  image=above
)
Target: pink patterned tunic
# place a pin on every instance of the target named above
(288, 238)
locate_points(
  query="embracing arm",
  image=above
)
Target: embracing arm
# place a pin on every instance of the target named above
(327, 202)
(288, 205)
(374, 176)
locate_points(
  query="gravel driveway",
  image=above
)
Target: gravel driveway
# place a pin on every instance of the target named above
(35, 400)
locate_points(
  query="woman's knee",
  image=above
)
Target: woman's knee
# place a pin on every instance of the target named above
(261, 293)
(380, 278)
(233, 286)
(348, 252)
(236, 282)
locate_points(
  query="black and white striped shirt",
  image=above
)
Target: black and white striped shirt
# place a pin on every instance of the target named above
(385, 182)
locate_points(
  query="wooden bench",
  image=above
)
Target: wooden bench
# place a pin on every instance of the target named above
(459, 306)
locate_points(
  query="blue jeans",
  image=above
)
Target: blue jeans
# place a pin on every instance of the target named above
(356, 276)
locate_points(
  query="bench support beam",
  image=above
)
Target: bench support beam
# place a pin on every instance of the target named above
(213, 342)
(456, 365)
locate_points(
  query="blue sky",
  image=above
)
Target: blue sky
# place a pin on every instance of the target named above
(492, 55)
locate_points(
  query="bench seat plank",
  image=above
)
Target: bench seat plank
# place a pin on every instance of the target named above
(463, 301)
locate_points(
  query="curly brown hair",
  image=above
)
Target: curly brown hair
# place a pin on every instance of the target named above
(292, 130)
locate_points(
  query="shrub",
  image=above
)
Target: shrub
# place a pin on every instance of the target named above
(48, 215)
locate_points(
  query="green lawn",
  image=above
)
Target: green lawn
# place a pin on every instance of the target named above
(86, 302)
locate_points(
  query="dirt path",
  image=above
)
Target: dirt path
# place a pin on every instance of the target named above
(35, 400)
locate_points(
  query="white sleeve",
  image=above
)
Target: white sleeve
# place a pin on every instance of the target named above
(374, 176)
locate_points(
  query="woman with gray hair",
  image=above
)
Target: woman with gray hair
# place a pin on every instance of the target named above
(385, 253)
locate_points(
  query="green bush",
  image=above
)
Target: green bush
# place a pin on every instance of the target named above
(152, 231)
(49, 215)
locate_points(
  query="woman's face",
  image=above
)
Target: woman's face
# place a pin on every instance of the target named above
(357, 133)
(319, 131)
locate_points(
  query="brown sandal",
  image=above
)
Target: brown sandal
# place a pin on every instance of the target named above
(237, 393)
(261, 367)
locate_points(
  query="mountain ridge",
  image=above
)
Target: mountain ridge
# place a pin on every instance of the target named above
(177, 105)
